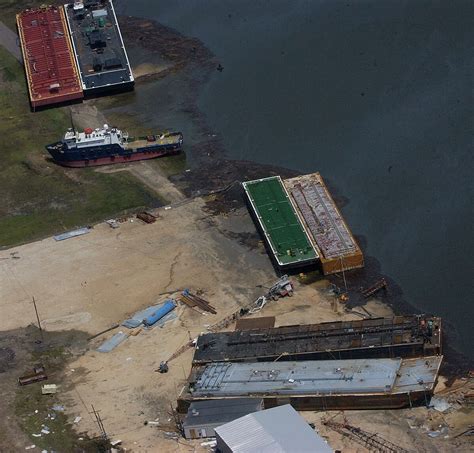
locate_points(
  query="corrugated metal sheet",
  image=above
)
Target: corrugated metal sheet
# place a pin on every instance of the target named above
(277, 430)
(71, 234)
(112, 342)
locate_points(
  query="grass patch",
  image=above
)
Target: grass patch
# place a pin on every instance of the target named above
(34, 411)
(10, 8)
(40, 198)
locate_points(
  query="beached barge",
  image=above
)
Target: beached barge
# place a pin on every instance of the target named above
(98, 47)
(318, 385)
(51, 72)
(399, 336)
(331, 237)
(277, 219)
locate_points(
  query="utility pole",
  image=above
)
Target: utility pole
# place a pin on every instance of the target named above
(37, 318)
(100, 424)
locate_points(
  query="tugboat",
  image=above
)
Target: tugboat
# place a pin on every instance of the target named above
(109, 145)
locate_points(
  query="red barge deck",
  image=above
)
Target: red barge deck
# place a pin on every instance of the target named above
(50, 67)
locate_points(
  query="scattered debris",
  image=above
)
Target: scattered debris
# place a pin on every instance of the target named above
(159, 313)
(138, 318)
(114, 443)
(146, 217)
(259, 304)
(468, 432)
(72, 234)
(102, 332)
(443, 431)
(58, 408)
(283, 287)
(377, 286)
(163, 367)
(37, 376)
(112, 223)
(153, 423)
(439, 404)
(371, 441)
(112, 342)
(30, 447)
(192, 300)
(45, 430)
(77, 419)
(49, 389)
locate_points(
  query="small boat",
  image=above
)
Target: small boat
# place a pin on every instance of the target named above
(109, 145)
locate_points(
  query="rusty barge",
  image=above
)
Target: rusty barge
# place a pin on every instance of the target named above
(399, 336)
(328, 231)
(51, 72)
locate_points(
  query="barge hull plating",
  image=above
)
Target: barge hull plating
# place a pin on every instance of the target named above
(400, 336)
(51, 72)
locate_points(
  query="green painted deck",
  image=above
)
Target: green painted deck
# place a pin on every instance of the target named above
(277, 217)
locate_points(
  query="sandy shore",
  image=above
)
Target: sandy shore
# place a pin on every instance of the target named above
(89, 283)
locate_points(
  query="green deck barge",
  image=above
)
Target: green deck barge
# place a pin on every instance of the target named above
(283, 230)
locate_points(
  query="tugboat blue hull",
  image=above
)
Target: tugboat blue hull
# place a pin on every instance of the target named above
(109, 154)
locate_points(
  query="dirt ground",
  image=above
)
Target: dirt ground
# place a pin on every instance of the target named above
(95, 281)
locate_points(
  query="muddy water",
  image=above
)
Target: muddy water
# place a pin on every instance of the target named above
(376, 95)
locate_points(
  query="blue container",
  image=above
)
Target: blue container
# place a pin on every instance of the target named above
(167, 306)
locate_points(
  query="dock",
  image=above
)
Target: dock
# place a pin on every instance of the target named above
(275, 213)
(51, 72)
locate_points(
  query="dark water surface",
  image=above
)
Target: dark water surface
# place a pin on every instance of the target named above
(377, 96)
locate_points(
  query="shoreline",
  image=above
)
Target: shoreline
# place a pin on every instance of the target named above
(213, 171)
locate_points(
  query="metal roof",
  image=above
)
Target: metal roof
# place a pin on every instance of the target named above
(220, 411)
(324, 377)
(277, 430)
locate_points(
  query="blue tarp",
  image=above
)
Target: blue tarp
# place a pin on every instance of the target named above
(137, 319)
(71, 234)
(112, 342)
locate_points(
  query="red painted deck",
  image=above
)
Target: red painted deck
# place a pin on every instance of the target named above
(51, 71)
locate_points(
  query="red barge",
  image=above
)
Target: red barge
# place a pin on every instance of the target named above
(51, 71)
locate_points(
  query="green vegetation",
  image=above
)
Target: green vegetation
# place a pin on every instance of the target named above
(34, 411)
(10, 8)
(40, 198)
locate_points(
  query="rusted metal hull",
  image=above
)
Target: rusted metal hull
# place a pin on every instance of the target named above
(334, 402)
(32, 378)
(51, 72)
(402, 336)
